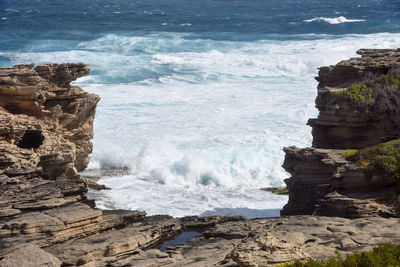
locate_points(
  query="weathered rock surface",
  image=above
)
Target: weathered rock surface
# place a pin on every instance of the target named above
(29, 256)
(265, 242)
(115, 246)
(323, 182)
(44, 121)
(45, 132)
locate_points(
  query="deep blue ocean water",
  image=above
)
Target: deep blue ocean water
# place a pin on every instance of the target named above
(198, 97)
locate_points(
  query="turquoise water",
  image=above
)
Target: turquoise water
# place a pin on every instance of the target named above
(198, 97)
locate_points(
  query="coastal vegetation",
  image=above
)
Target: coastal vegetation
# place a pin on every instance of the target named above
(93, 185)
(384, 255)
(277, 190)
(358, 94)
(280, 191)
(382, 160)
(376, 94)
(390, 80)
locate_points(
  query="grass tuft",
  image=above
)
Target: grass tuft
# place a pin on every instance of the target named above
(93, 185)
(280, 191)
(349, 154)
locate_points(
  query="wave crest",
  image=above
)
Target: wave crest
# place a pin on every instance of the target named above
(337, 20)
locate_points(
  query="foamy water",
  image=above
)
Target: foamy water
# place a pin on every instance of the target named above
(203, 127)
(209, 132)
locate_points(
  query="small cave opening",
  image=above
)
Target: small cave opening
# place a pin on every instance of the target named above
(31, 139)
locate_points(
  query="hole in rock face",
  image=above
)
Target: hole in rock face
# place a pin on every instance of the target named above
(31, 139)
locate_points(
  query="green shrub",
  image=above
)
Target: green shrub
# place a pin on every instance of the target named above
(386, 255)
(390, 80)
(379, 95)
(90, 182)
(356, 95)
(382, 160)
(350, 153)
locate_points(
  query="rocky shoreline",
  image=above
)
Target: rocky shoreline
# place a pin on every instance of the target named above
(46, 220)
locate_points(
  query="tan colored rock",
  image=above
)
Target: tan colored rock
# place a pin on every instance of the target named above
(264, 249)
(120, 218)
(110, 245)
(43, 120)
(265, 242)
(148, 258)
(29, 256)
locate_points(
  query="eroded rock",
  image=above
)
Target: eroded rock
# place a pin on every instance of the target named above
(44, 121)
(341, 126)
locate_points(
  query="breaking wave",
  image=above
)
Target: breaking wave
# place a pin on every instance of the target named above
(199, 124)
(337, 20)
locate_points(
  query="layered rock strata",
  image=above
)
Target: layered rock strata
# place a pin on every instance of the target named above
(45, 121)
(45, 132)
(323, 182)
(341, 126)
(229, 241)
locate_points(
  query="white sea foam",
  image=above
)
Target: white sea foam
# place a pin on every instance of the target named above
(200, 123)
(11, 10)
(337, 20)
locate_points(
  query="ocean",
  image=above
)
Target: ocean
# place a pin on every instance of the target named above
(198, 97)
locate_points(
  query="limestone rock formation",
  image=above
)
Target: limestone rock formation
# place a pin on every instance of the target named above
(323, 182)
(45, 121)
(45, 132)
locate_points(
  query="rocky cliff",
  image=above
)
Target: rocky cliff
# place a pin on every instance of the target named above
(340, 125)
(44, 121)
(358, 108)
(46, 220)
(45, 132)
